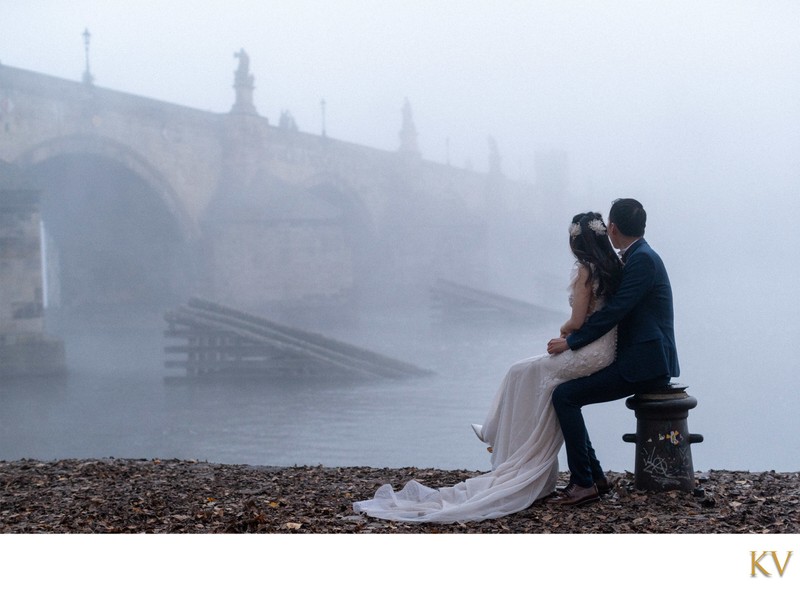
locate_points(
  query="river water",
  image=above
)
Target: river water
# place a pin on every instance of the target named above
(114, 403)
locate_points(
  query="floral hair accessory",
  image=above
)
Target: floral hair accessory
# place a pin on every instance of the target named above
(574, 230)
(597, 226)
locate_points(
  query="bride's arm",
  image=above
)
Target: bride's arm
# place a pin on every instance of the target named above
(581, 299)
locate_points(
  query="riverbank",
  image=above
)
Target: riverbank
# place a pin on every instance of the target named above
(191, 497)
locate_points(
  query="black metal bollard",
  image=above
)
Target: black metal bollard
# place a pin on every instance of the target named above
(662, 438)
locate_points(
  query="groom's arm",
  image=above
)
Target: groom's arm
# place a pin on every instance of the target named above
(637, 279)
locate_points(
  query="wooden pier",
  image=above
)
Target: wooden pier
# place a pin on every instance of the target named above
(453, 302)
(220, 342)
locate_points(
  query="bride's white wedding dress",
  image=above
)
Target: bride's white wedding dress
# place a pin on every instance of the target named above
(523, 431)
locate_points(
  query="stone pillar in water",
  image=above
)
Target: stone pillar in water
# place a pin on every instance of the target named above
(24, 347)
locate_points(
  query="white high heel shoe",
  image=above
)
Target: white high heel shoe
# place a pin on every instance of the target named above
(478, 429)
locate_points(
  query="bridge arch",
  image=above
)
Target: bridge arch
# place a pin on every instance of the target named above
(333, 189)
(281, 246)
(97, 146)
(358, 227)
(116, 237)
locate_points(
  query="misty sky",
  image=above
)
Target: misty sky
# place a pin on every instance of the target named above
(630, 90)
(692, 107)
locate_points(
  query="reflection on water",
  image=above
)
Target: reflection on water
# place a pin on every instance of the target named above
(114, 403)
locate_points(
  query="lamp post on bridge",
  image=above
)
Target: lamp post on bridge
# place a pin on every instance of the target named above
(87, 75)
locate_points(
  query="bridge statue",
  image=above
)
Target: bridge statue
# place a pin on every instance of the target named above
(243, 76)
(243, 83)
(408, 133)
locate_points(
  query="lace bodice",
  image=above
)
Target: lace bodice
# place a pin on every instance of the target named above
(595, 355)
(596, 302)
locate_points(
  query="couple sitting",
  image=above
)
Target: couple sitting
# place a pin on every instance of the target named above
(618, 341)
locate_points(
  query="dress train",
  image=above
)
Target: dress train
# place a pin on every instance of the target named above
(522, 429)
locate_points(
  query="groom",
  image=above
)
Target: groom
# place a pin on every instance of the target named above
(646, 355)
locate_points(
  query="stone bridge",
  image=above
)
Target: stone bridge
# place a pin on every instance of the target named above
(145, 202)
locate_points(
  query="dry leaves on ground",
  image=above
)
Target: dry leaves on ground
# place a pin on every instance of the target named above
(174, 496)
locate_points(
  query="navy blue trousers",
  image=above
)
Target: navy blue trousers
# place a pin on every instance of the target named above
(568, 399)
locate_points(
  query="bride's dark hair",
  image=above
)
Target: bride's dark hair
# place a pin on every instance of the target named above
(588, 239)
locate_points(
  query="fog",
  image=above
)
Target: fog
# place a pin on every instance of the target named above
(691, 107)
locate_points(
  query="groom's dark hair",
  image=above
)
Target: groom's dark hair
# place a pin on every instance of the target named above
(629, 216)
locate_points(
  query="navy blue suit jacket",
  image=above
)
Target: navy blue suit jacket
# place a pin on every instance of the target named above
(643, 313)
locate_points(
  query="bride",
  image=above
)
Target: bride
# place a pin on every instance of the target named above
(521, 427)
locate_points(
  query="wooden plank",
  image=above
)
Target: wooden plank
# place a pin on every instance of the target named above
(311, 344)
(220, 340)
(452, 298)
(316, 343)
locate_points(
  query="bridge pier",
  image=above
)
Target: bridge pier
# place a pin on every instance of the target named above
(24, 347)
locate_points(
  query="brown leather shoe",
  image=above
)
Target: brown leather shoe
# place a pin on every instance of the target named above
(603, 486)
(576, 495)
